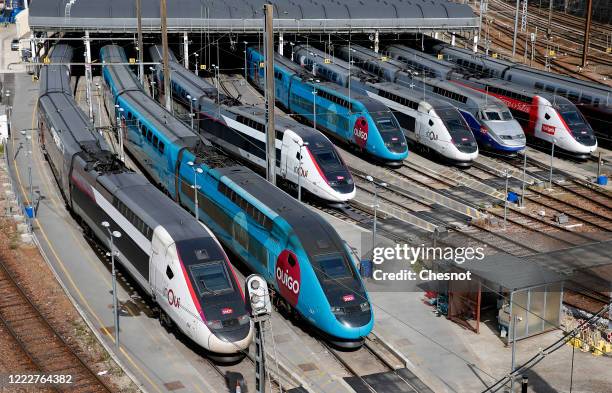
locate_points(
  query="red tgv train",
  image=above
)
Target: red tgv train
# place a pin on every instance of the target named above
(545, 117)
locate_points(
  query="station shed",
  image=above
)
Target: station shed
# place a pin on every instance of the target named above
(246, 16)
(510, 290)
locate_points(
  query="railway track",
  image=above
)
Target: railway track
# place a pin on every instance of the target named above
(374, 358)
(41, 342)
(475, 235)
(583, 215)
(572, 36)
(567, 23)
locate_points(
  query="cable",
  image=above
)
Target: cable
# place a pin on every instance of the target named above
(545, 352)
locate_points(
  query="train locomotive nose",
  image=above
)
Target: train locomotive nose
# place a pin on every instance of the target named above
(228, 345)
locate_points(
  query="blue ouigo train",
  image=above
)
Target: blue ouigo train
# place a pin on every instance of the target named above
(352, 118)
(308, 266)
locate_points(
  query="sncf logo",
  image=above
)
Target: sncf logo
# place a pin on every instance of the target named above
(226, 311)
(288, 276)
(348, 298)
(548, 129)
(360, 131)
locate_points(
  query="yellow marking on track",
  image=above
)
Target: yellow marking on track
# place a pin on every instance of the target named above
(63, 267)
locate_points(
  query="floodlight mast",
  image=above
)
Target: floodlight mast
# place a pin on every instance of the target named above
(260, 307)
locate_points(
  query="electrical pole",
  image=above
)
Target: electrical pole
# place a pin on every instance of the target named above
(587, 31)
(186, 50)
(88, 76)
(140, 44)
(270, 98)
(518, 3)
(165, 64)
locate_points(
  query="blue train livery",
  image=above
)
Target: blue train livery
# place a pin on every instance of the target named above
(351, 118)
(309, 267)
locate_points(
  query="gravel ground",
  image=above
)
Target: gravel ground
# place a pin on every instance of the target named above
(26, 263)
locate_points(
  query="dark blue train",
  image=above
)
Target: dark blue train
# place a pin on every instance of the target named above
(349, 117)
(300, 254)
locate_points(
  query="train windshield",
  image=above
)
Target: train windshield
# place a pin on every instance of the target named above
(211, 278)
(573, 118)
(501, 115)
(455, 123)
(333, 267)
(385, 121)
(328, 160)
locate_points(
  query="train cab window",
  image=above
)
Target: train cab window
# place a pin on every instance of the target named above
(160, 147)
(149, 135)
(333, 267)
(431, 123)
(298, 155)
(493, 115)
(169, 273)
(547, 116)
(211, 278)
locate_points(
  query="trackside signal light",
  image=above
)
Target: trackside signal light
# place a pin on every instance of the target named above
(258, 296)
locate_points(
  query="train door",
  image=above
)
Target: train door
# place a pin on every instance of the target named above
(283, 158)
(158, 280)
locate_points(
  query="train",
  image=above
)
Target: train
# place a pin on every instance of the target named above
(489, 119)
(422, 63)
(178, 262)
(309, 268)
(352, 118)
(240, 130)
(432, 124)
(544, 116)
(593, 99)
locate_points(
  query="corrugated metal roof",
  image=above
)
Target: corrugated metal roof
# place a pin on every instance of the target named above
(247, 15)
(508, 271)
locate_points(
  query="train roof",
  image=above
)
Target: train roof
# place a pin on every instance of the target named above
(156, 52)
(556, 100)
(366, 54)
(442, 67)
(71, 125)
(565, 79)
(281, 122)
(54, 79)
(416, 94)
(145, 105)
(337, 64)
(161, 119)
(314, 232)
(123, 78)
(446, 48)
(480, 98)
(152, 206)
(61, 53)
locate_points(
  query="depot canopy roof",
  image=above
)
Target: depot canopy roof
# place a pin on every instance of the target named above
(247, 15)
